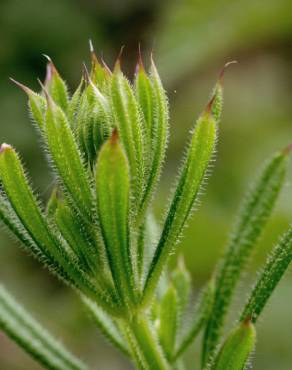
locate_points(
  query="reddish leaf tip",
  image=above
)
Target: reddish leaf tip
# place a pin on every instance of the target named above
(226, 65)
(105, 66)
(24, 88)
(117, 66)
(115, 136)
(247, 321)
(209, 106)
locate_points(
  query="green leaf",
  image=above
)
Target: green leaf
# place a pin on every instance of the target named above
(269, 278)
(75, 234)
(192, 174)
(113, 196)
(237, 348)
(159, 128)
(21, 327)
(128, 121)
(67, 160)
(56, 87)
(168, 321)
(253, 216)
(32, 218)
(74, 105)
(12, 222)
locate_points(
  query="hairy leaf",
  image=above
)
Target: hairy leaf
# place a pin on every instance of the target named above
(20, 326)
(237, 348)
(269, 278)
(252, 219)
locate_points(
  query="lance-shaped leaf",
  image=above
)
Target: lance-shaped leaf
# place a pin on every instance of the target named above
(144, 96)
(254, 213)
(155, 111)
(199, 318)
(75, 233)
(20, 326)
(17, 230)
(193, 171)
(99, 74)
(74, 105)
(94, 121)
(128, 121)
(56, 86)
(113, 195)
(237, 348)
(168, 321)
(270, 276)
(32, 218)
(67, 160)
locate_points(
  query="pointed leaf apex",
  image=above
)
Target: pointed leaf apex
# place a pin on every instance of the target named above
(86, 75)
(115, 136)
(24, 88)
(117, 66)
(91, 48)
(94, 60)
(140, 65)
(5, 147)
(51, 69)
(48, 97)
(106, 67)
(222, 72)
(288, 149)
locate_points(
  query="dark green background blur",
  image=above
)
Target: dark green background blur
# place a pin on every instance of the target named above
(191, 40)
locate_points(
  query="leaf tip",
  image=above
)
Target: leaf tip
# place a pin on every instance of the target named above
(117, 66)
(222, 71)
(24, 88)
(115, 136)
(4, 147)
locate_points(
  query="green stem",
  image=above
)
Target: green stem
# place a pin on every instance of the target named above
(144, 345)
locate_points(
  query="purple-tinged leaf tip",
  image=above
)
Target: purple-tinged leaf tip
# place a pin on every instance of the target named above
(24, 88)
(5, 147)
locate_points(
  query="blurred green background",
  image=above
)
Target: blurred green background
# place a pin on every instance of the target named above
(191, 40)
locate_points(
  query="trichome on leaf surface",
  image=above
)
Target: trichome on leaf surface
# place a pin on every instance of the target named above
(106, 146)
